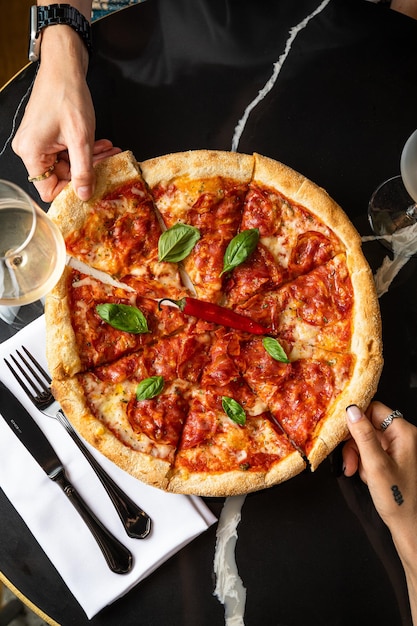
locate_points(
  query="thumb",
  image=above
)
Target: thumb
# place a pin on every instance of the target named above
(363, 433)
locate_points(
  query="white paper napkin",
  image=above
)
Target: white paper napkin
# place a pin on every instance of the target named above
(57, 526)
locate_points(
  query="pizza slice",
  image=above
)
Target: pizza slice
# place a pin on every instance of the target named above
(316, 308)
(205, 190)
(217, 456)
(223, 454)
(308, 393)
(117, 230)
(297, 223)
(140, 438)
(81, 335)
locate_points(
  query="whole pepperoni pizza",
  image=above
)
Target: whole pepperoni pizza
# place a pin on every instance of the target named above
(215, 319)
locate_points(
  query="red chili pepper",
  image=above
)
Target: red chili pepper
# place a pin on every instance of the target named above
(218, 315)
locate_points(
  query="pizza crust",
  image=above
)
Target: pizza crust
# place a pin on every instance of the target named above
(69, 211)
(277, 176)
(197, 164)
(235, 482)
(61, 345)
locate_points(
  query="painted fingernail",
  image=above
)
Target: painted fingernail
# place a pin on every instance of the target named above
(354, 413)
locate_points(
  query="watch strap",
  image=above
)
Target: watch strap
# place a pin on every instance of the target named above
(53, 14)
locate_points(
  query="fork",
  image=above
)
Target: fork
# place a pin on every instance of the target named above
(37, 387)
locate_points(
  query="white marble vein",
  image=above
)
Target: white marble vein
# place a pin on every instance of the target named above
(277, 66)
(229, 586)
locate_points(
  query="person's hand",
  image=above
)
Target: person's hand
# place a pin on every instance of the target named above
(386, 461)
(57, 130)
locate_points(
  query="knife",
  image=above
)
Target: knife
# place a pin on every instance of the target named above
(118, 557)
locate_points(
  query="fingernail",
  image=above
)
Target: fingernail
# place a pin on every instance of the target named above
(354, 413)
(84, 193)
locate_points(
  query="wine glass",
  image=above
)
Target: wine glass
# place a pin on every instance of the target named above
(32, 255)
(392, 208)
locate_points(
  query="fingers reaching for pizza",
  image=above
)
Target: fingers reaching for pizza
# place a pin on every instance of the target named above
(57, 173)
(43, 140)
(383, 449)
(103, 149)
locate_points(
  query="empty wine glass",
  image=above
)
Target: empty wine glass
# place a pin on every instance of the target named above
(392, 208)
(32, 252)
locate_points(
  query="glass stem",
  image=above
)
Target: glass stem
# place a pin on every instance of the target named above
(407, 218)
(411, 212)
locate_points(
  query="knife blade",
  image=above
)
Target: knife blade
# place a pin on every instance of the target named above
(117, 556)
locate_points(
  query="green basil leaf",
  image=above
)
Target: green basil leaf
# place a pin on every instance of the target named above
(274, 349)
(233, 410)
(123, 317)
(149, 388)
(177, 242)
(240, 248)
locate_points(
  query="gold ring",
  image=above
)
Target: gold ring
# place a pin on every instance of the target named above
(390, 418)
(44, 176)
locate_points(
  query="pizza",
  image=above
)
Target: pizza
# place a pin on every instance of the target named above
(215, 318)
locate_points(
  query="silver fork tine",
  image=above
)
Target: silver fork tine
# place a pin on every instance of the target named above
(40, 396)
(35, 372)
(17, 377)
(38, 366)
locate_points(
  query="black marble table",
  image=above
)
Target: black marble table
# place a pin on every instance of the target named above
(172, 75)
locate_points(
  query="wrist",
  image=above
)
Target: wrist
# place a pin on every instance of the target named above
(44, 17)
(405, 542)
(61, 44)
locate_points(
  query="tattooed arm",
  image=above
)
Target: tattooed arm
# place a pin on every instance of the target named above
(387, 463)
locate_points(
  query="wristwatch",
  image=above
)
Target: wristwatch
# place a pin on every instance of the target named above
(43, 16)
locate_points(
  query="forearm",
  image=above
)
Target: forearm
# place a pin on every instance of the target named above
(412, 593)
(408, 7)
(406, 545)
(60, 42)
